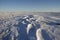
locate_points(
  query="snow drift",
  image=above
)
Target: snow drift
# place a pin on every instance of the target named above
(30, 27)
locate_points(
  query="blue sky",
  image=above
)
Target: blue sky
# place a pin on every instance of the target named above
(30, 5)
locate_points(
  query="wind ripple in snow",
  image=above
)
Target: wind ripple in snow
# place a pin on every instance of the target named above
(31, 27)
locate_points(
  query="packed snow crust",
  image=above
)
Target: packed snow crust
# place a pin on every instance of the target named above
(29, 27)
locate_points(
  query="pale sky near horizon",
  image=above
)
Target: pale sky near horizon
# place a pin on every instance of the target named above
(30, 5)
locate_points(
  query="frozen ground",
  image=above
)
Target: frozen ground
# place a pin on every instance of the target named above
(30, 26)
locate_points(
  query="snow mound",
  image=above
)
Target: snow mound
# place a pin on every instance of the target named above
(30, 27)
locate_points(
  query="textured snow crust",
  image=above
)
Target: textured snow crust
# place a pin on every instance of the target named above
(29, 27)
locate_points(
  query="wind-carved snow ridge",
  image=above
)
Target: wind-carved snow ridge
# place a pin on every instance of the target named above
(30, 27)
(39, 35)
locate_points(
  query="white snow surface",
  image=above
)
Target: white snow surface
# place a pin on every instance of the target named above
(30, 27)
